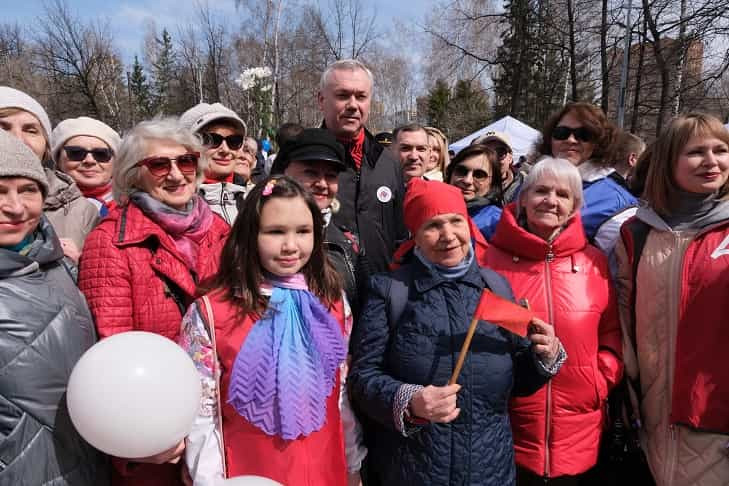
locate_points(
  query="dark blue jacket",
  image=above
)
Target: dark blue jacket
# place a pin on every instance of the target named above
(422, 348)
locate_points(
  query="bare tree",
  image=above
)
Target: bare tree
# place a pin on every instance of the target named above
(80, 63)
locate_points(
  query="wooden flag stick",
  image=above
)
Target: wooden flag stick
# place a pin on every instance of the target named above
(467, 345)
(464, 350)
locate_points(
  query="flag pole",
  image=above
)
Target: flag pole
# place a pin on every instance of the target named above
(464, 350)
(467, 345)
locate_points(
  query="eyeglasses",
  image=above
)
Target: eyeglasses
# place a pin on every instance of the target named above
(78, 154)
(462, 171)
(582, 134)
(213, 140)
(161, 166)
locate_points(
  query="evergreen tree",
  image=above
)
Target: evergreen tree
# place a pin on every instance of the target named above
(163, 69)
(438, 99)
(468, 109)
(140, 91)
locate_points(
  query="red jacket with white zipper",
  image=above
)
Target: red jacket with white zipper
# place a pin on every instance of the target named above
(567, 283)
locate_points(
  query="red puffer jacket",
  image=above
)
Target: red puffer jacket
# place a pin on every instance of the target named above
(133, 278)
(567, 283)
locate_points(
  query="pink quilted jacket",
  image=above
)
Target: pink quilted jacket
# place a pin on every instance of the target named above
(133, 277)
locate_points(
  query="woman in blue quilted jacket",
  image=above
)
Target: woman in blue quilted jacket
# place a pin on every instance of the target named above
(406, 344)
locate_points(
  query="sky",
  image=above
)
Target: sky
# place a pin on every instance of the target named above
(128, 17)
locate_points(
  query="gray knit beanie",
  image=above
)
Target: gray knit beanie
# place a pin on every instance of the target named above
(83, 125)
(12, 98)
(204, 113)
(17, 160)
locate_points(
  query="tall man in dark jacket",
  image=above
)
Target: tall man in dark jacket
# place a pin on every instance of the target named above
(371, 187)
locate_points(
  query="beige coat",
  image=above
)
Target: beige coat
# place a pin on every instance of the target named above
(70, 213)
(677, 455)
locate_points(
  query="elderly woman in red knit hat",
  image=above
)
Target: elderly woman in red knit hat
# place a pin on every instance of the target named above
(406, 344)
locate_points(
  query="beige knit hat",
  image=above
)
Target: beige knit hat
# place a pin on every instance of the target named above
(13, 98)
(17, 160)
(83, 125)
(204, 113)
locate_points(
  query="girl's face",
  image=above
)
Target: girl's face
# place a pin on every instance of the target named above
(286, 235)
(702, 166)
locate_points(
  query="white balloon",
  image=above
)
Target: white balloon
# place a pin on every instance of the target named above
(249, 481)
(134, 394)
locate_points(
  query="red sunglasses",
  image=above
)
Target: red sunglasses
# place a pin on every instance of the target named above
(161, 166)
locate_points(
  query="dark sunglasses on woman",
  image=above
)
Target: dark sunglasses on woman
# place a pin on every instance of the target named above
(462, 171)
(77, 154)
(161, 166)
(582, 134)
(213, 140)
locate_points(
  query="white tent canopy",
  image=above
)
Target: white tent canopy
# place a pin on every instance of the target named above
(522, 136)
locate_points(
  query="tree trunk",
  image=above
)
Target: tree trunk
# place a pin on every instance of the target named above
(638, 78)
(603, 58)
(682, 48)
(573, 60)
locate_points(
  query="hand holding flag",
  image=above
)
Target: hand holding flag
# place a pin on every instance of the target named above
(513, 318)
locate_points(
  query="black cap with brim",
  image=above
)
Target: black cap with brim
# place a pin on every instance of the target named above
(312, 144)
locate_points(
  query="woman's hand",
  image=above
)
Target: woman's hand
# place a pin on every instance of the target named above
(172, 455)
(546, 344)
(70, 249)
(436, 403)
(353, 479)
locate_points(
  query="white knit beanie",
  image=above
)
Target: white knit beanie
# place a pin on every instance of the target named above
(12, 98)
(17, 160)
(83, 125)
(204, 113)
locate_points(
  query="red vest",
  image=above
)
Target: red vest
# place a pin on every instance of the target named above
(315, 460)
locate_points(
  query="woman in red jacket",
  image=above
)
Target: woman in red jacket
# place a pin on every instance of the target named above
(540, 247)
(140, 267)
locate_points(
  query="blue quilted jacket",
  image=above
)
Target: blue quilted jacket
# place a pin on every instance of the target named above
(422, 348)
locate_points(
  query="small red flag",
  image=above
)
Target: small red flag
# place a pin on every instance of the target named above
(504, 313)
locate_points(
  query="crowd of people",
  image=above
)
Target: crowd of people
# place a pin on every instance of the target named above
(324, 294)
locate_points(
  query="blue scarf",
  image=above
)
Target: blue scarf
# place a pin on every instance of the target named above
(449, 273)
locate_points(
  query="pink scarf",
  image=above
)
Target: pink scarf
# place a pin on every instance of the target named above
(186, 227)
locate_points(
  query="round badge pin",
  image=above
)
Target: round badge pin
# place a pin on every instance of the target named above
(384, 194)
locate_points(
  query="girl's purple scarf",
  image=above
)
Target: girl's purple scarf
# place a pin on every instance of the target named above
(186, 227)
(287, 366)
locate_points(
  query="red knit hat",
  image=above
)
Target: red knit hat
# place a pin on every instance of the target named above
(425, 200)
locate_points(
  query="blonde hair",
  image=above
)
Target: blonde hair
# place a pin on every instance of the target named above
(437, 135)
(661, 189)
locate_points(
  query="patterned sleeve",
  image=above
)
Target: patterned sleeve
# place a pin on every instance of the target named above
(195, 340)
(400, 413)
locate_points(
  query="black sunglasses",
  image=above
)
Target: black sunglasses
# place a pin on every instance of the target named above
(582, 134)
(213, 140)
(77, 154)
(462, 171)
